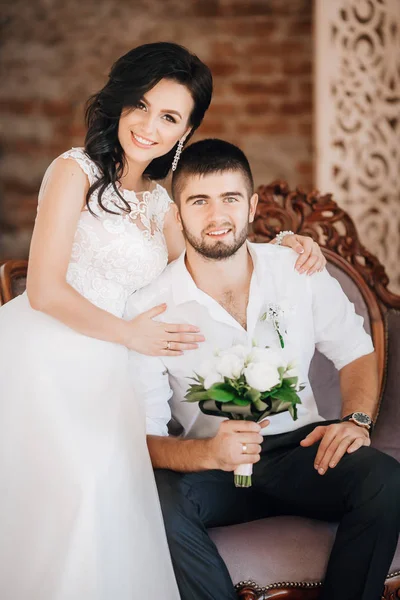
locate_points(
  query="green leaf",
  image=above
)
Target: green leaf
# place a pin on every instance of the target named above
(199, 378)
(286, 394)
(196, 387)
(225, 386)
(290, 381)
(293, 412)
(281, 340)
(241, 401)
(196, 396)
(281, 371)
(221, 392)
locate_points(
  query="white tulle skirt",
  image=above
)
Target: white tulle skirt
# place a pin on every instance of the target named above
(79, 512)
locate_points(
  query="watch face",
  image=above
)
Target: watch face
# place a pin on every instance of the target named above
(361, 418)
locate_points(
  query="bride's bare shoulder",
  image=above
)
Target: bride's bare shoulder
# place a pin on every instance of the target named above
(64, 170)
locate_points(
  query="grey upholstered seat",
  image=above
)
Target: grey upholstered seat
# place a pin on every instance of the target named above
(296, 549)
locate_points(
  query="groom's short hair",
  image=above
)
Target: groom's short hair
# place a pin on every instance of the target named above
(207, 157)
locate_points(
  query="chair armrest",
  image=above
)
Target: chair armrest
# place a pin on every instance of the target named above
(386, 435)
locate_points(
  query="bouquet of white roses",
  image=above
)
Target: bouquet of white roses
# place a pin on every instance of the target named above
(246, 383)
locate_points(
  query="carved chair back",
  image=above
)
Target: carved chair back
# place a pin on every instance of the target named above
(360, 274)
(12, 279)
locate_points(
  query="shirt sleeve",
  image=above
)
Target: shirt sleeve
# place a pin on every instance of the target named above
(148, 374)
(140, 301)
(338, 330)
(151, 386)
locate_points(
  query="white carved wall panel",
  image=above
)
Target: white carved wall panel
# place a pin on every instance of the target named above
(357, 77)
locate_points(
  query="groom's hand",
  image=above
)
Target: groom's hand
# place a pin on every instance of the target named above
(236, 443)
(335, 440)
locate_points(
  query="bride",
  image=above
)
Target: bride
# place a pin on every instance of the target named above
(79, 513)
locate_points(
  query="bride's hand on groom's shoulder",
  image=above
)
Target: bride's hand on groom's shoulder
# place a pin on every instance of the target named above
(311, 259)
(155, 338)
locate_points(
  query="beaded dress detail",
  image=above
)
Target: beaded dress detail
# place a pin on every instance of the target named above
(114, 255)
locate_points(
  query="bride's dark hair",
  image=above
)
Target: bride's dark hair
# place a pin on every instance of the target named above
(130, 78)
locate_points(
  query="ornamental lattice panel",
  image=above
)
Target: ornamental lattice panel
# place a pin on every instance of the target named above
(357, 56)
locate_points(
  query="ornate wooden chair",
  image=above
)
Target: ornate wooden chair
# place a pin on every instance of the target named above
(286, 556)
(12, 279)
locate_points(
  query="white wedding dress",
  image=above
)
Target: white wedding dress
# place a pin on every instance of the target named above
(79, 511)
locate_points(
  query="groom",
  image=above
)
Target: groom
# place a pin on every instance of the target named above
(307, 467)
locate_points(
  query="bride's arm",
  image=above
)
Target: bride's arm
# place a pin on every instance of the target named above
(61, 202)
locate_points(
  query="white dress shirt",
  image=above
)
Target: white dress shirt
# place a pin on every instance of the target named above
(317, 315)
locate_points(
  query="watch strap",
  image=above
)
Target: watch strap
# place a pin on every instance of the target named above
(368, 427)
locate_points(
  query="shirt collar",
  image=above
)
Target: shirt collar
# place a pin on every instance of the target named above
(257, 265)
(184, 288)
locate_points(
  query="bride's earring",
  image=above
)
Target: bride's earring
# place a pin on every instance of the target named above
(178, 153)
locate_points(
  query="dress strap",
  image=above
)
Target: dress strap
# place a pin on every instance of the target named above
(86, 163)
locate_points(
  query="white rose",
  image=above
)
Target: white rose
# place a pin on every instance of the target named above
(238, 350)
(267, 357)
(292, 370)
(262, 377)
(230, 365)
(205, 368)
(212, 378)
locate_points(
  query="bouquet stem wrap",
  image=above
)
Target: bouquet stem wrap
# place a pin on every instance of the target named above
(243, 475)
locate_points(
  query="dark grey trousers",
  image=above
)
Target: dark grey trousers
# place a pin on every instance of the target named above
(362, 493)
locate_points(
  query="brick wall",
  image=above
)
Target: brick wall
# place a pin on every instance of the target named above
(55, 54)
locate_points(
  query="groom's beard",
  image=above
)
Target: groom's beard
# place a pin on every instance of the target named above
(217, 249)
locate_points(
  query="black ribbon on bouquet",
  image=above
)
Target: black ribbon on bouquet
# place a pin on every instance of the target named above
(229, 410)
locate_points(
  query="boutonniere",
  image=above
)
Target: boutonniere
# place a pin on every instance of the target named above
(275, 314)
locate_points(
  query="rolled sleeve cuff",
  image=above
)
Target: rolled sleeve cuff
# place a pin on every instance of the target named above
(156, 427)
(352, 353)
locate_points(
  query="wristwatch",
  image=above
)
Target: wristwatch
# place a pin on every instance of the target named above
(361, 419)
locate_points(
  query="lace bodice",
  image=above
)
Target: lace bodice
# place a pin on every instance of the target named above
(114, 255)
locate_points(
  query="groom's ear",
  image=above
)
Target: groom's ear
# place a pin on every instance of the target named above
(253, 207)
(177, 216)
